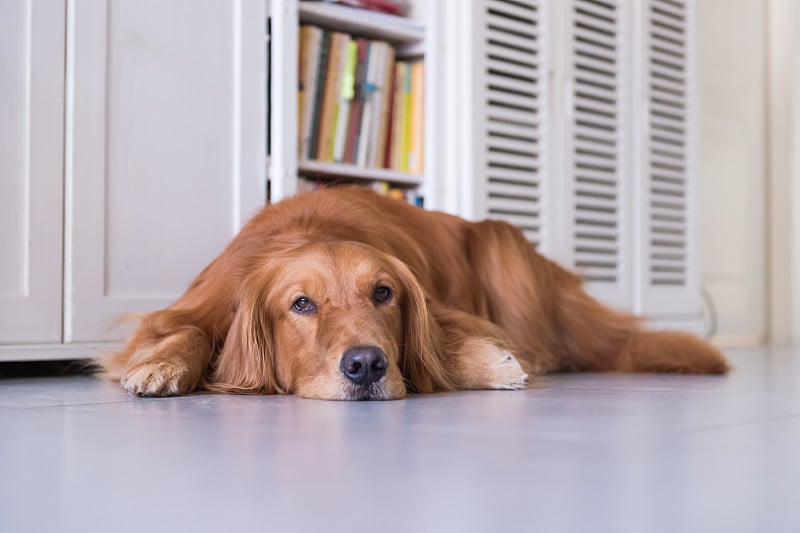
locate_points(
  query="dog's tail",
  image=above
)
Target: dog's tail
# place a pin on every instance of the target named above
(557, 326)
(595, 337)
(670, 351)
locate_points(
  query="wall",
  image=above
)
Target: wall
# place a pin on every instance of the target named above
(733, 160)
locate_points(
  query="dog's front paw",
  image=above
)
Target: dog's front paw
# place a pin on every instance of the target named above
(506, 373)
(163, 378)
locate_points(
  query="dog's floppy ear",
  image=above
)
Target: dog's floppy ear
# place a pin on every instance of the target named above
(247, 361)
(420, 355)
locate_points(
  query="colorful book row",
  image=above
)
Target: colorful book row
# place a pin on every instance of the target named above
(357, 104)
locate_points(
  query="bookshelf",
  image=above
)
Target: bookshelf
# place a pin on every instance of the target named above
(411, 39)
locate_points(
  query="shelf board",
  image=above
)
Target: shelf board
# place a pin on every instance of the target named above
(362, 22)
(341, 170)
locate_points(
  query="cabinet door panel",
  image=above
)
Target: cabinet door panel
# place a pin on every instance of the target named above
(31, 170)
(166, 145)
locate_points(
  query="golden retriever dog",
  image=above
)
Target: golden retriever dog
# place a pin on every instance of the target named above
(344, 294)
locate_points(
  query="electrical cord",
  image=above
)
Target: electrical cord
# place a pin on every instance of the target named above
(713, 319)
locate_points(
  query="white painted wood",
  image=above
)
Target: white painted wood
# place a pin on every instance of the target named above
(165, 149)
(433, 46)
(324, 168)
(364, 23)
(734, 160)
(283, 98)
(31, 169)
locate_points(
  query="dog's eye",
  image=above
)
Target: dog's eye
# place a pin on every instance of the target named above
(304, 305)
(381, 294)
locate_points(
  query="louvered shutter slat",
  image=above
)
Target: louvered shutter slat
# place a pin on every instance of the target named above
(512, 100)
(513, 115)
(519, 191)
(519, 11)
(510, 84)
(508, 175)
(526, 148)
(512, 26)
(513, 130)
(512, 55)
(497, 36)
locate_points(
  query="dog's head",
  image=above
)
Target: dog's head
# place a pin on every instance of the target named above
(331, 320)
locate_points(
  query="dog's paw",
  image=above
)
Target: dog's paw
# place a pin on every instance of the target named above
(506, 373)
(163, 378)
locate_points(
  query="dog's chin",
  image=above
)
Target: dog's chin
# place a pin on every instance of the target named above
(374, 391)
(343, 389)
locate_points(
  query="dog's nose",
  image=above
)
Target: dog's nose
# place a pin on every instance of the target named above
(364, 364)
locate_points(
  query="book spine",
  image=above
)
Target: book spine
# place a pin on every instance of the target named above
(303, 43)
(386, 106)
(309, 87)
(406, 117)
(397, 116)
(366, 113)
(386, 157)
(354, 121)
(322, 72)
(415, 156)
(332, 88)
(345, 100)
(377, 104)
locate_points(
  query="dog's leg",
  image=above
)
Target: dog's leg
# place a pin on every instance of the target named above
(170, 351)
(479, 363)
(174, 365)
(477, 354)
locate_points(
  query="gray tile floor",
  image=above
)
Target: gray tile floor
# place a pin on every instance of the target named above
(587, 452)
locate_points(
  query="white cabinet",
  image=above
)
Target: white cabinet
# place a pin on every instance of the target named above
(154, 148)
(165, 149)
(31, 155)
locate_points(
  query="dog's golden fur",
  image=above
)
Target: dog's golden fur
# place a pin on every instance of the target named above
(470, 306)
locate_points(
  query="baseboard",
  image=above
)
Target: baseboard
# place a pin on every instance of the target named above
(54, 352)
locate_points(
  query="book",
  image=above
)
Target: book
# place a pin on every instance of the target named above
(398, 116)
(356, 105)
(386, 157)
(370, 87)
(386, 98)
(319, 94)
(310, 41)
(330, 102)
(406, 145)
(345, 99)
(415, 157)
(384, 57)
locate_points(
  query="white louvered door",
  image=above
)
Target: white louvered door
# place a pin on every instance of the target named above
(511, 118)
(669, 283)
(581, 121)
(596, 229)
